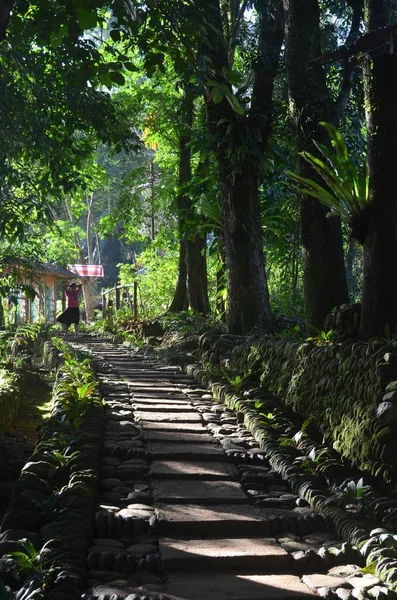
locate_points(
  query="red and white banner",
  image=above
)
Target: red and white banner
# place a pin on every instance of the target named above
(87, 270)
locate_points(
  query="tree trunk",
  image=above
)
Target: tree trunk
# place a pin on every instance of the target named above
(240, 142)
(180, 301)
(195, 246)
(5, 11)
(86, 284)
(221, 278)
(2, 318)
(248, 296)
(197, 274)
(88, 304)
(324, 276)
(379, 302)
(89, 201)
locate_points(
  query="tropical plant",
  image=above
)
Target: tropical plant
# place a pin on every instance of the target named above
(346, 178)
(323, 338)
(51, 507)
(27, 561)
(312, 462)
(64, 458)
(268, 420)
(350, 494)
(33, 589)
(297, 437)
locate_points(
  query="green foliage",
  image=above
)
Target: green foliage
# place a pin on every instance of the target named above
(347, 185)
(187, 322)
(313, 461)
(268, 420)
(76, 389)
(62, 458)
(350, 494)
(298, 436)
(28, 561)
(33, 589)
(156, 276)
(294, 331)
(324, 338)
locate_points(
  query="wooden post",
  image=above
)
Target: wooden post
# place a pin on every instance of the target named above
(103, 305)
(28, 304)
(44, 288)
(54, 301)
(117, 289)
(135, 300)
(63, 298)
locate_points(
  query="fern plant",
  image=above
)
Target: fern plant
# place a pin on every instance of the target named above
(346, 179)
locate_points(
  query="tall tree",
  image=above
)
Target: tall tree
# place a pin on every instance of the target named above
(239, 139)
(380, 247)
(196, 258)
(325, 283)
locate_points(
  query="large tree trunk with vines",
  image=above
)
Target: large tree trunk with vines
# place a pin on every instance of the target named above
(221, 277)
(248, 297)
(240, 142)
(324, 279)
(379, 303)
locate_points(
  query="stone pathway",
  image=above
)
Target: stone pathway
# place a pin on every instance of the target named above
(189, 507)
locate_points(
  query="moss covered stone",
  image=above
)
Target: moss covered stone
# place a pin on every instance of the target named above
(340, 386)
(10, 399)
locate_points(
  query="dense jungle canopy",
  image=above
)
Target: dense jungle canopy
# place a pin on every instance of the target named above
(236, 157)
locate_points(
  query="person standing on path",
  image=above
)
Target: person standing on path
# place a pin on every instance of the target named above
(72, 313)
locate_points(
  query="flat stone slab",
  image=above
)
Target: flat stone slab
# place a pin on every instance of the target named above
(143, 387)
(171, 391)
(161, 399)
(165, 417)
(225, 586)
(198, 491)
(231, 553)
(183, 437)
(193, 470)
(161, 406)
(186, 451)
(317, 580)
(223, 520)
(175, 426)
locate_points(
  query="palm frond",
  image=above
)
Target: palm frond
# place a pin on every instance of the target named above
(346, 181)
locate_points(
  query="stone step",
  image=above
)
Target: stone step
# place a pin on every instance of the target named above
(166, 392)
(198, 491)
(178, 437)
(179, 451)
(144, 388)
(150, 426)
(144, 374)
(165, 417)
(236, 586)
(161, 399)
(255, 555)
(223, 520)
(208, 470)
(157, 407)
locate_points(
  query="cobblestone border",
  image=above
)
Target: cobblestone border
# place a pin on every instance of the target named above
(70, 522)
(354, 531)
